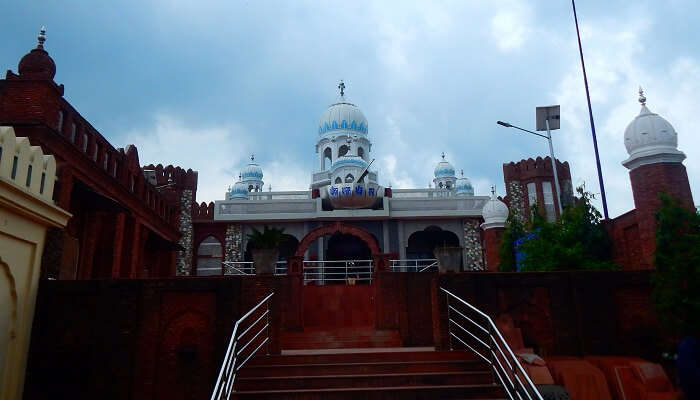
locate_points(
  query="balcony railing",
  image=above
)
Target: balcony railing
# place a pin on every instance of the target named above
(413, 265)
(333, 272)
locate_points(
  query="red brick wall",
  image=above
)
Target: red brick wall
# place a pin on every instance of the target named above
(492, 239)
(566, 313)
(647, 182)
(165, 338)
(623, 232)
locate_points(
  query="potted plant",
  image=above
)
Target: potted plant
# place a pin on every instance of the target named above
(265, 248)
(449, 258)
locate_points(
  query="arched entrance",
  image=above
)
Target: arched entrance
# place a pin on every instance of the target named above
(335, 305)
(341, 228)
(422, 243)
(343, 246)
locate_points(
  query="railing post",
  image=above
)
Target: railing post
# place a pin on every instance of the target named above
(492, 342)
(449, 324)
(268, 327)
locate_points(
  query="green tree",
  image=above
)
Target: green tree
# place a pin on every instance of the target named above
(269, 238)
(514, 231)
(676, 281)
(576, 241)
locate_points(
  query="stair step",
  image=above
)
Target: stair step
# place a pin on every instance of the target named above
(364, 380)
(477, 391)
(346, 338)
(361, 368)
(356, 356)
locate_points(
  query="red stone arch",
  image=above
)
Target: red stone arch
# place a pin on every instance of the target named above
(338, 227)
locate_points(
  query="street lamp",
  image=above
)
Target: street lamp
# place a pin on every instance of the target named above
(547, 119)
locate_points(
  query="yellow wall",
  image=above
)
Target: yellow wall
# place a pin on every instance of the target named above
(25, 213)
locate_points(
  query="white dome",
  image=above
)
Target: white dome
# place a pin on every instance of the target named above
(463, 186)
(444, 169)
(239, 191)
(252, 171)
(649, 131)
(495, 213)
(344, 117)
(649, 138)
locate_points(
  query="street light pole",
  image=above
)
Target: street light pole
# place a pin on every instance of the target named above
(551, 156)
(554, 168)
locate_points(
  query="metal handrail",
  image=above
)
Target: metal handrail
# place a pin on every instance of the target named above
(498, 354)
(429, 266)
(230, 365)
(244, 267)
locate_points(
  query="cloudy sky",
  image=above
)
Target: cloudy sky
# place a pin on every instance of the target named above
(204, 84)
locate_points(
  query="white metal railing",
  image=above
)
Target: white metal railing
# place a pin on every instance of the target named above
(348, 271)
(231, 363)
(494, 349)
(413, 265)
(281, 268)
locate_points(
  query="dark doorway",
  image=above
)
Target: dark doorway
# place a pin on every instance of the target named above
(422, 243)
(347, 247)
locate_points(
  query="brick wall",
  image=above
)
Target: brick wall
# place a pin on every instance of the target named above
(647, 182)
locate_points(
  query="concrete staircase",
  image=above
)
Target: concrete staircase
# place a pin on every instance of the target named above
(386, 373)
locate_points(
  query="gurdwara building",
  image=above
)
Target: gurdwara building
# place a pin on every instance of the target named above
(355, 216)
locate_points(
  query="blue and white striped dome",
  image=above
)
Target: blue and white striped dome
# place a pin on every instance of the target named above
(239, 191)
(349, 161)
(463, 186)
(252, 171)
(444, 169)
(343, 117)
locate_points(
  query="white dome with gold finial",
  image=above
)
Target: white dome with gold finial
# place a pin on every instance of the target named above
(650, 139)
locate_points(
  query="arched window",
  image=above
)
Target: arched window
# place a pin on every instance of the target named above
(250, 188)
(209, 257)
(59, 127)
(349, 178)
(361, 152)
(440, 185)
(84, 143)
(338, 180)
(343, 150)
(327, 154)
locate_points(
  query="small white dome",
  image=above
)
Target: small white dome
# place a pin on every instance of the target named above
(495, 213)
(239, 191)
(650, 138)
(444, 169)
(463, 186)
(343, 116)
(252, 171)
